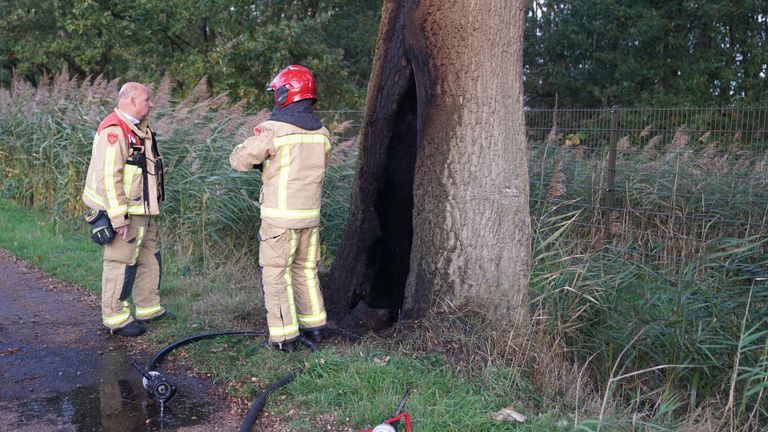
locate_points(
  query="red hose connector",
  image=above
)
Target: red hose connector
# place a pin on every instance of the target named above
(395, 419)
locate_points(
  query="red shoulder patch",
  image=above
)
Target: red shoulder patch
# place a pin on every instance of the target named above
(112, 137)
(257, 131)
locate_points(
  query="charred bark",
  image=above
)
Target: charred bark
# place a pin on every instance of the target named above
(440, 202)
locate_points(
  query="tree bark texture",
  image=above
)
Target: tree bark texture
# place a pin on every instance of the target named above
(440, 203)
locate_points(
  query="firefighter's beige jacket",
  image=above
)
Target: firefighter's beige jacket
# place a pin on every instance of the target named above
(117, 187)
(293, 169)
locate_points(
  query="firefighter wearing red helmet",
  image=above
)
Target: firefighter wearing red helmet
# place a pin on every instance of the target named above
(291, 149)
(292, 84)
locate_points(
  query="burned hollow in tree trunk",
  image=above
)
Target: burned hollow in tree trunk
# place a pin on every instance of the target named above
(440, 201)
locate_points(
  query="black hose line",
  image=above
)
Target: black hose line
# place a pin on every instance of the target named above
(186, 341)
(261, 400)
(258, 404)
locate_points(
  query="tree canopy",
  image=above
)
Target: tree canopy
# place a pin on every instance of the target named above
(238, 45)
(587, 53)
(646, 52)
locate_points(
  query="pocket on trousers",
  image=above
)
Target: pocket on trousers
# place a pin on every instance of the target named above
(133, 233)
(274, 246)
(119, 251)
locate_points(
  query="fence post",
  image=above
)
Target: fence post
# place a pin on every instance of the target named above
(611, 178)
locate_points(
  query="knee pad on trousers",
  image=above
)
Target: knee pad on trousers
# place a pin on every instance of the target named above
(128, 281)
(159, 268)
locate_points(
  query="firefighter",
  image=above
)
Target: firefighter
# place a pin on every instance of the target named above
(291, 149)
(124, 188)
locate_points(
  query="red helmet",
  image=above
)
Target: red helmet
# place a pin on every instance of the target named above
(292, 84)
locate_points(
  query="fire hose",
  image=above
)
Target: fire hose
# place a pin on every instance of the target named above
(162, 390)
(390, 424)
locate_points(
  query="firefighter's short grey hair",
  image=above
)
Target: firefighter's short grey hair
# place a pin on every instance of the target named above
(130, 88)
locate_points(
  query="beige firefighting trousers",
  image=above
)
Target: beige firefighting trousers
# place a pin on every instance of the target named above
(132, 270)
(289, 274)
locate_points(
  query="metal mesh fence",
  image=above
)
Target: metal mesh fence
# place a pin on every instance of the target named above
(656, 183)
(345, 125)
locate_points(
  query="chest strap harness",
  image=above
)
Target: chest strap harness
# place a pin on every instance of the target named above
(138, 157)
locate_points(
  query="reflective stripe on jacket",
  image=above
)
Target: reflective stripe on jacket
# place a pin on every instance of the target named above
(114, 185)
(293, 169)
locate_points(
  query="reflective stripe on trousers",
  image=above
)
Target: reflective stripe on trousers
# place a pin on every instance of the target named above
(292, 291)
(116, 320)
(290, 328)
(313, 286)
(131, 274)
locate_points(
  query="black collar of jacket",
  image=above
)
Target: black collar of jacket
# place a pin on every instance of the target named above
(299, 114)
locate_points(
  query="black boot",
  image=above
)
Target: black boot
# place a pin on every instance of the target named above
(315, 334)
(309, 343)
(132, 329)
(285, 346)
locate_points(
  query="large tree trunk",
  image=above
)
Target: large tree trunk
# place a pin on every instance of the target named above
(440, 203)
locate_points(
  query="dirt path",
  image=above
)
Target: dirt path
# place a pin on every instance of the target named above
(61, 372)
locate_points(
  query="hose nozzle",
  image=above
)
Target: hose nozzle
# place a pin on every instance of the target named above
(156, 384)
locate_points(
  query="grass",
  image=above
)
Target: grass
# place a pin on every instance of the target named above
(664, 343)
(661, 328)
(361, 384)
(32, 237)
(355, 385)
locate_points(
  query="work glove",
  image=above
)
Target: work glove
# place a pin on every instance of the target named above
(101, 228)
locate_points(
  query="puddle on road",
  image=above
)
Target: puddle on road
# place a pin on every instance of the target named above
(119, 403)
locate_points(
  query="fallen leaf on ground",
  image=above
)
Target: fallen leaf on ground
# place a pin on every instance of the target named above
(10, 351)
(508, 414)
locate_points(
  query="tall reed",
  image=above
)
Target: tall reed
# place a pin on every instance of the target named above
(665, 344)
(45, 146)
(668, 319)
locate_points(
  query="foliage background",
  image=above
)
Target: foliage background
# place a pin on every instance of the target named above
(238, 46)
(658, 346)
(578, 53)
(593, 53)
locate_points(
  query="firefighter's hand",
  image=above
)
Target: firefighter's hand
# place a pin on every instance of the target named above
(122, 231)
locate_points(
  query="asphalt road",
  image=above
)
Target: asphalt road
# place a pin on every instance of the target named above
(60, 371)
